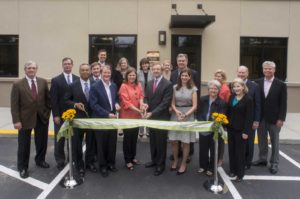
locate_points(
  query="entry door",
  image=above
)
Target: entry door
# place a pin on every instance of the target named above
(190, 45)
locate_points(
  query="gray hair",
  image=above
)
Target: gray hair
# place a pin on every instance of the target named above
(28, 63)
(212, 83)
(106, 67)
(270, 63)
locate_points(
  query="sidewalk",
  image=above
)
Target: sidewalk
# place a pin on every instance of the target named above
(290, 132)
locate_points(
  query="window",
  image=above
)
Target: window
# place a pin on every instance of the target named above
(9, 55)
(190, 45)
(117, 46)
(255, 50)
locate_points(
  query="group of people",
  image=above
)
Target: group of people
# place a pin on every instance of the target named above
(155, 93)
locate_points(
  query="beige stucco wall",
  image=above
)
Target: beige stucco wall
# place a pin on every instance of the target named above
(52, 29)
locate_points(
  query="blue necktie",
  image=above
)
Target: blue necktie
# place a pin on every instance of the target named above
(86, 90)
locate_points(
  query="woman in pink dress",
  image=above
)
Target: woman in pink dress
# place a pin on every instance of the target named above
(132, 107)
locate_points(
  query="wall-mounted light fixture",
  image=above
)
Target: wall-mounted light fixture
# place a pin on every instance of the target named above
(162, 37)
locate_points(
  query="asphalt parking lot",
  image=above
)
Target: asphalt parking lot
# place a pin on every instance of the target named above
(140, 183)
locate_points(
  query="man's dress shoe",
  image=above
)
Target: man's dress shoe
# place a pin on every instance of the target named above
(92, 168)
(158, 171)
(43, 165)
(149, 164)
(81, 172)
(112, 168)
(24, 173)
(104, 172)
(60, 166)
(260, 163)
(273, 169)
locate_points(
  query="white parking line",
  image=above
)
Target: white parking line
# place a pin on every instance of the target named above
(289, 159)
(29, 180)
(54, 182)
(234, 192)
(278, 178)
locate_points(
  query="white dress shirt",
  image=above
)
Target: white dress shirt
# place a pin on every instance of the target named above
(267, 85)
(29, 83)
(70, 77)
(107, 89)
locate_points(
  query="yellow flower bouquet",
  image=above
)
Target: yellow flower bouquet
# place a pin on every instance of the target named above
(66, 129)
(220, 119)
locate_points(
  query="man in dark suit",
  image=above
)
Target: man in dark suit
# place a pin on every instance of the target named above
(104, 104)
(30, 109)
(59, 87)
(182, 63)
(254, 93)
(159, 94)
(77, 97)
(96, 71)
(273, 114)
(102, 56)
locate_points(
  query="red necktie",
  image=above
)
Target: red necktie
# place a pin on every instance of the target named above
(33, 90)
(154, 86)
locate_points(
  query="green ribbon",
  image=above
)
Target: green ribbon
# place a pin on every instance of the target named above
(92, 123)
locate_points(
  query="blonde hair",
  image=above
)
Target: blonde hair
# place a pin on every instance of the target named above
(222, 73)
(241, 82)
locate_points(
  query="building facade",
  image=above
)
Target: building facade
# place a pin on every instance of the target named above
(240, 32)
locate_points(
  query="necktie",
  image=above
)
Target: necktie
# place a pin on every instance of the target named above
(33, 90)
(86, 90)
(208, 111)
(68, 80)
(154, 86)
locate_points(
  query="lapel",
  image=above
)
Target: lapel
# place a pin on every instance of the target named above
(260, 83)
(81, 93)
(272, 88)
(39, 86)
(150, 89)
(159, 86)
(63, 79)
(102, 88)
(26, 87)
(112, 92)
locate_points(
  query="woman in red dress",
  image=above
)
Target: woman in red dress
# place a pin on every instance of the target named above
(132, 107)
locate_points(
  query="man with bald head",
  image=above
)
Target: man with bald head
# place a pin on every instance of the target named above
(273, 113)
(253, 92)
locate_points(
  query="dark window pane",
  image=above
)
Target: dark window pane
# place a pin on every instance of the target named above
(117, 46)
(255, 50)
(9, 55)
(125, 40)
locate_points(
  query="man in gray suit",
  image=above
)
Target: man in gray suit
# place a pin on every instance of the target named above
(30, 109)
(273, 113)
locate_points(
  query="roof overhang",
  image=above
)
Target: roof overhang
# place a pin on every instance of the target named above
(191, 21)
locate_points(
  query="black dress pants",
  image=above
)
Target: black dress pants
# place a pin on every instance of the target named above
(250, 147)
(158, 146)
(236, 149)
(129, 144)
(106, 147)
(59, 147)
(206, 151)
(77, 140)
(24, 141)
